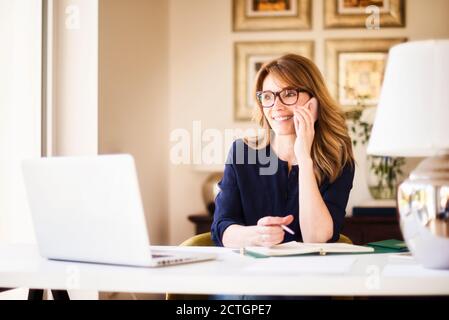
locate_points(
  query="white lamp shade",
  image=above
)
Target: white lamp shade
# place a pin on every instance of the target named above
(412, 118)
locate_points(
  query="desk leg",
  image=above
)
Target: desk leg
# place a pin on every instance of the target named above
(38, 294)
(60, 295)
(35, 294)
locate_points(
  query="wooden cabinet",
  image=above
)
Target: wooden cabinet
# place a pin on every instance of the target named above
(202, 222)
(362, 230)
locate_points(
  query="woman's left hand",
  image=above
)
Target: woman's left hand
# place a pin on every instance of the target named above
(305, 130)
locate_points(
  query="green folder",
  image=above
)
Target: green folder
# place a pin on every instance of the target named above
(389, 246)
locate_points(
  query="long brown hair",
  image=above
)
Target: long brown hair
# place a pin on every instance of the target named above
(332, 146)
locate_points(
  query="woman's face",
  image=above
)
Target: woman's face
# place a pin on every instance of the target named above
(280, 116)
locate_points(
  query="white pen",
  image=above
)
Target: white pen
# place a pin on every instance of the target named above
(287, 229)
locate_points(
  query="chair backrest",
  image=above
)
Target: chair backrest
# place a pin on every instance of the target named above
(344, 239)
(201, 240)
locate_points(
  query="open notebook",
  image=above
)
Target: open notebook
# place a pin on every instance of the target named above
(297, 248)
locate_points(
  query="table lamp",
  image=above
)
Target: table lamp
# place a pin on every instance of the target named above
(412, 120)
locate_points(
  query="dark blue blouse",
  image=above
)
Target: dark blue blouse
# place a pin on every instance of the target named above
(256, 184)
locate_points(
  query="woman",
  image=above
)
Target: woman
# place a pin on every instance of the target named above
(298, 174)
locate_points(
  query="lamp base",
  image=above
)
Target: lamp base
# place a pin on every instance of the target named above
(423, 204)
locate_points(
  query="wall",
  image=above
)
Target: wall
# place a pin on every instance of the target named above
(74, 77)
(201, 78)
(133, 92)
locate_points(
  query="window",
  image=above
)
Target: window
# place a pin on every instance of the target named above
(20, 110)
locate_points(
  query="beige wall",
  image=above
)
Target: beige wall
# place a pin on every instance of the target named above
(133, 97)
(201, 78)
(74, 75)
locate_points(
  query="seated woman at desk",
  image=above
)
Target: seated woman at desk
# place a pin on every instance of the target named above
(298, 174)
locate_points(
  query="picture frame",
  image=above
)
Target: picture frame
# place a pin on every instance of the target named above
(271, 15)
(248, 58)
(357, 13)
(354, 70)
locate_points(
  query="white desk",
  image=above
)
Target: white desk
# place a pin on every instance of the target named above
(369, 275)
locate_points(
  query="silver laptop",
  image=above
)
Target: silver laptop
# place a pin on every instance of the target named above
(89, 209)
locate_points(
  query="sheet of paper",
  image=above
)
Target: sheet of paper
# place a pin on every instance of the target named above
(302, 265)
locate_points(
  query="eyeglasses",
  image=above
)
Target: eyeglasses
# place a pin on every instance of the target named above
(288, 96)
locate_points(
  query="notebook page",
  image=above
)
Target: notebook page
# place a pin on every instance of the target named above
(291, 248)
(336, 247)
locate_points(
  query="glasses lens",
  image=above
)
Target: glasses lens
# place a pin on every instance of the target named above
(266, 98)
(289, 96)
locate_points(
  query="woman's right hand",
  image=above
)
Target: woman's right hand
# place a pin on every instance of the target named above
(268, 231)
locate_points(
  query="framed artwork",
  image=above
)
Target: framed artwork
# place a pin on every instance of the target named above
(255, 15)
(355, 70)
(356, 13)
(249, 57)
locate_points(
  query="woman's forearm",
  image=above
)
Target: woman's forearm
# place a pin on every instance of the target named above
(315, 221)
(237, 236)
